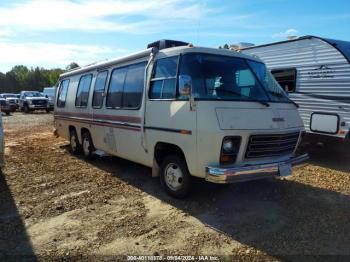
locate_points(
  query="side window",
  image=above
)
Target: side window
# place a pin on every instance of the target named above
(163, 82)
(286, 78)
(82, 96)
(62, 93)
(97, 98)
(115, 90)
(133, 86)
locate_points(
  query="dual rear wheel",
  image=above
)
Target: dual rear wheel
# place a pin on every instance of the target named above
(86, 147)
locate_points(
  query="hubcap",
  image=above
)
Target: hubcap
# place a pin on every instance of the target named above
(73, 142)
(86, 146)
(173, 176)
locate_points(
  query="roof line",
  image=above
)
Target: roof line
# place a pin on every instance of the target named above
(303, 38)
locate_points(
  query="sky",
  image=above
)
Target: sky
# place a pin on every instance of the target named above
(54, 33)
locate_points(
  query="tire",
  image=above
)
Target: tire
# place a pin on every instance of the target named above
(75, 146)
(175, 177)
(87, 146)
(47, 110)
(7, 113)
(26, 108)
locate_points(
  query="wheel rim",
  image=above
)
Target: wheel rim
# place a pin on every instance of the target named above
(173, 176)
(73, 142)
(86, 146)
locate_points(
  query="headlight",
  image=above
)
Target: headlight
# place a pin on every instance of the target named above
(229, 149)
(30, 101)
(227, 146)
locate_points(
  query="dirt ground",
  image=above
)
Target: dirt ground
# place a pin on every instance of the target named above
(54, 205)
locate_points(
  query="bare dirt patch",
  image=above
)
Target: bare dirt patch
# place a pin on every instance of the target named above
(55, 204)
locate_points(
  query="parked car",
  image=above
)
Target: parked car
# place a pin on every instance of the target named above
(4, 106)
(2, 144)
(50, 93)
(12, 100)
(33, 100)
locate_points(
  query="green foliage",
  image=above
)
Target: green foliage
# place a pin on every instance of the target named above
(21, 78)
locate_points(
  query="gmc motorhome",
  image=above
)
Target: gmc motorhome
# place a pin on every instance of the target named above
(184, 111)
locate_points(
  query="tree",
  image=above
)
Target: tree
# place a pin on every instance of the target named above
(72, 66)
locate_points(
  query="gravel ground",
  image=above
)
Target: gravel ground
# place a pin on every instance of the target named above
(53, 204)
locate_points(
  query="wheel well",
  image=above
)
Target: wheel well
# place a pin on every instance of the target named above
(72, 128)
(162, 150)
(84, 130)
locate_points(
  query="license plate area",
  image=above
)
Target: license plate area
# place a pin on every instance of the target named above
(284, 170)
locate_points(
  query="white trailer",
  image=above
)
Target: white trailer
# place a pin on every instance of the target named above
(184, 111)
(315, 72)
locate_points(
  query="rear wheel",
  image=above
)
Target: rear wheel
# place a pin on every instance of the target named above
(88, 146)
(175, 177)
(75, 147)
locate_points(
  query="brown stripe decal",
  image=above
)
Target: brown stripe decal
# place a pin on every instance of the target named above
(97, 123)
(128, 119)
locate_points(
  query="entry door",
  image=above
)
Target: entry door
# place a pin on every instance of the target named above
(170, 119)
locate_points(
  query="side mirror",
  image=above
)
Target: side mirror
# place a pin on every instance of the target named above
(185, 86)
(46, 96)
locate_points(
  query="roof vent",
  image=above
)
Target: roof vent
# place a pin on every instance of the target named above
(164, 43)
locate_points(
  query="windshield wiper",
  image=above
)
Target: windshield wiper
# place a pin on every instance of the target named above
(249, 98)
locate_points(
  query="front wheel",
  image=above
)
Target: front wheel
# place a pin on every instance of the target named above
(88, 146)
(175, 177)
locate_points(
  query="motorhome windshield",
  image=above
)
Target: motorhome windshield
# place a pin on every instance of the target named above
(215, 77)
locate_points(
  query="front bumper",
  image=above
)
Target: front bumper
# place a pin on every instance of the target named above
(42, 107)
(224, 175)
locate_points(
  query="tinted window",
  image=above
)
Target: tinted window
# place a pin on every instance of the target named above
(82, 97)
(100, 83)
(133, 85)
(62, 93)
(163, 83)
(115, 90)
(166, 67)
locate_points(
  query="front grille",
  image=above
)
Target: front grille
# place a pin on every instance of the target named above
(271, 145)
(39, 102)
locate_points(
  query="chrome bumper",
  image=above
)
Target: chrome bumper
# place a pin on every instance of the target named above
(223, 175)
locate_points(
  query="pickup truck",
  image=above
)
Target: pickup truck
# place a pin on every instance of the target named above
(33, 100)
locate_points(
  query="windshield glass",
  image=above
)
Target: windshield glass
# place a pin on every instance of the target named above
(221, 78)
(32, 94)
(274, 90)
(8, 95)
(229, 78)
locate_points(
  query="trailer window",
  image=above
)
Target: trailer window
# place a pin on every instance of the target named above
(133, 86)
(100, 83)
(62, 93)
(286, 78)
(82, 96)
(163, 82)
